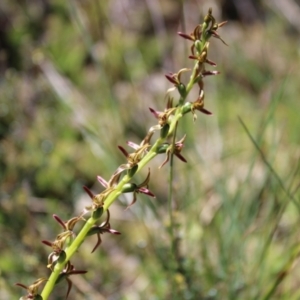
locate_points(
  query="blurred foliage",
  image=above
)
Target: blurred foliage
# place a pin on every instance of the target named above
(76, 80)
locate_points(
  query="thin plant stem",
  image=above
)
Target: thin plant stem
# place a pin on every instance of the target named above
(272, 170)
(65, 248)
(170, 197)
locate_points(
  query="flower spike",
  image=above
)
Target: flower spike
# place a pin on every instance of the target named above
(121, 181)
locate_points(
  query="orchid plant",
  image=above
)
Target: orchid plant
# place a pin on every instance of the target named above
(67, 243)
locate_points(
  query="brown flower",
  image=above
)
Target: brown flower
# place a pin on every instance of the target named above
(32, 289)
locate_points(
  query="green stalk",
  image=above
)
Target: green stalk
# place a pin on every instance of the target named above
(117, 191)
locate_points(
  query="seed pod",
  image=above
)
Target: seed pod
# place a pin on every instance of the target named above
(97, 213)
(129, 188)
(62, 256)
(132, 171)
(182, 90)
(164, 131)
(186, 108)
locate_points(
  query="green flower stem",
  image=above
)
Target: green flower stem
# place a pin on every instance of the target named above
(73, 247)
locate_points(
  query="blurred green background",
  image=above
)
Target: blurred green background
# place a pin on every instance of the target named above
(77, 78)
